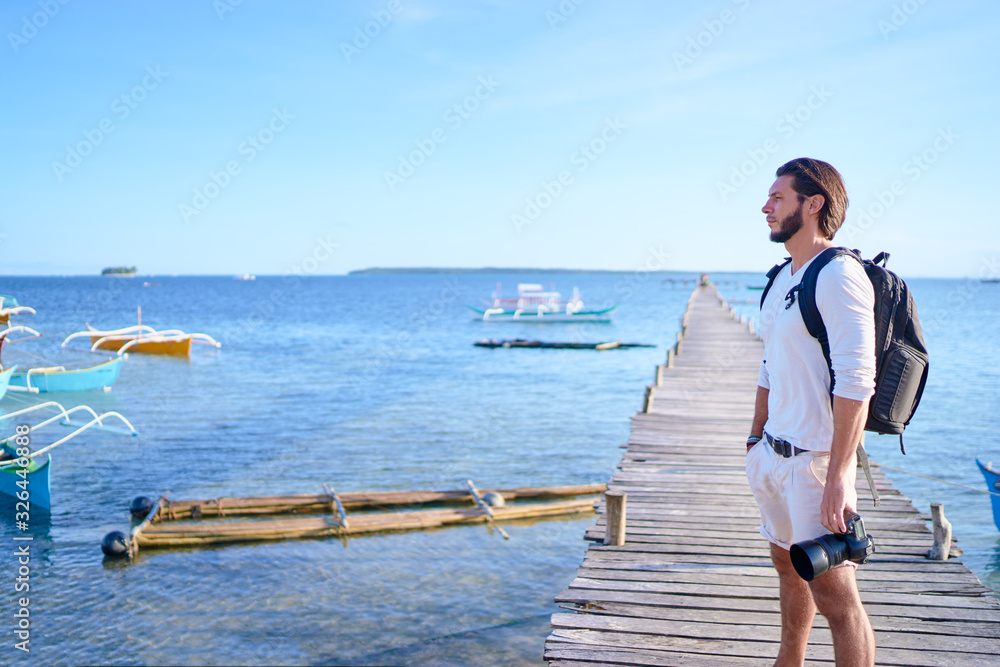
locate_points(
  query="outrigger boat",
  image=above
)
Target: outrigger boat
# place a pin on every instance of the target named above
(993, 486)
(9, 307)
(5, 380)
(534, 304)
(142, 339)
(27, 477)
(68, 377)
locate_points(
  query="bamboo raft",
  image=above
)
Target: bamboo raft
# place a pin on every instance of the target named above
(176, 523)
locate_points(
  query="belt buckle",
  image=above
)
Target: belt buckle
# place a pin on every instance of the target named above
(787, 450)
(784, 447)
(781, 447)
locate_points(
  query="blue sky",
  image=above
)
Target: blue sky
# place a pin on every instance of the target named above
(227, 137)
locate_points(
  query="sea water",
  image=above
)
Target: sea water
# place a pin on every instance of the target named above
(371, 382)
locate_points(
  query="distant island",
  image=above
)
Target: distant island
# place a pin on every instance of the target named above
(487, 269)
(119, 271)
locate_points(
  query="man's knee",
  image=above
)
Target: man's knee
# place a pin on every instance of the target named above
(836, 594)
(782, 561)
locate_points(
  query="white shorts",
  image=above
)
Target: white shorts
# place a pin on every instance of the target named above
(789, 492)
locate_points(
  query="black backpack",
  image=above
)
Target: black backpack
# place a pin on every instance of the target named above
(901, 359)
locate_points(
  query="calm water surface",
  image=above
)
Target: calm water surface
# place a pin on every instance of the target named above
(372, 383)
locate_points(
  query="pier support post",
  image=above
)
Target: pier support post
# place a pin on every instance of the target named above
(614, 532)
(659, 376)
(942, 534)
(670, 358)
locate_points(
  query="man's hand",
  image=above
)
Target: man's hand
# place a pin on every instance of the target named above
(838, 495)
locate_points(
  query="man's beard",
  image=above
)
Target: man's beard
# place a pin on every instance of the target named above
(788, 226)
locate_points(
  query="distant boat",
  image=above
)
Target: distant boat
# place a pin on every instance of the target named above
(533, 304)
(246, 276)
(118, 271)
(993, 486)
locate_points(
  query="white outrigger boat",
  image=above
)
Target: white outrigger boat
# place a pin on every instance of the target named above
(534, 304)
(10, 307)
(26, 476)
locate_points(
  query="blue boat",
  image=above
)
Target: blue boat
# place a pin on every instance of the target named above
(78, 377)
(5, 380)
(993, 485)
(65, 378)
(31, 482)
(29, 475)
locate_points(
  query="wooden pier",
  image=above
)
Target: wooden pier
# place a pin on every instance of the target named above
(693, 584)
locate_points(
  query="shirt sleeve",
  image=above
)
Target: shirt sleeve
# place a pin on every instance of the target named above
(763, 379)
(846, 301)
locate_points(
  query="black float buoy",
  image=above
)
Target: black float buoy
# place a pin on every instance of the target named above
(140, 507)
(115, 544)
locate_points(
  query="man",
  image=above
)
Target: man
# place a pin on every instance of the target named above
(801, 454)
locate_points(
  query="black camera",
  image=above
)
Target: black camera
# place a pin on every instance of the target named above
(812, 558)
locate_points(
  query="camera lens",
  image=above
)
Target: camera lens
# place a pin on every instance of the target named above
(812, 558)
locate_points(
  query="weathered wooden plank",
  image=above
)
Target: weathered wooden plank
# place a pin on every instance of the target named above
(650, 633)
(739, 576)
(975, 614)
(560, 654)
(767, 618)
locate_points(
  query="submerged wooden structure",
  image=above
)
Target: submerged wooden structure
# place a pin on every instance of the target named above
(186, 523)
(493, 343)
(693, 583)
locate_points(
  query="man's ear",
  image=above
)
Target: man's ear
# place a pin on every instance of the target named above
(816, 203)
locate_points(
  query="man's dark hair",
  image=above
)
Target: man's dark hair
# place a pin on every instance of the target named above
(815, 177)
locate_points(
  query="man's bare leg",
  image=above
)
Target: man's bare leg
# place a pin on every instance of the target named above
(836, 595)
(797, 610)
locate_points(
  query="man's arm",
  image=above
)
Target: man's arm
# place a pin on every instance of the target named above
(848, 425)
(759, 412)
(845, 299)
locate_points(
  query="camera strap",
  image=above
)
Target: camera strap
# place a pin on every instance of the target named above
(863, 460)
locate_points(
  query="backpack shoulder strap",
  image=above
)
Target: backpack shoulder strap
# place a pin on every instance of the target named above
(807, 301)
(771, 275)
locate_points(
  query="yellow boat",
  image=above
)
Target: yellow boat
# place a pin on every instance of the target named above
(143, 339)
(148, 344)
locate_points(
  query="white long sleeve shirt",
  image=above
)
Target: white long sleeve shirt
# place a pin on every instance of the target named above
(793, 368)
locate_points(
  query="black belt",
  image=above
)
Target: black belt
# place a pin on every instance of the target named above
(783, 447)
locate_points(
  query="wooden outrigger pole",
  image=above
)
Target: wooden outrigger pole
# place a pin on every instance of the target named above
(352, 500)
